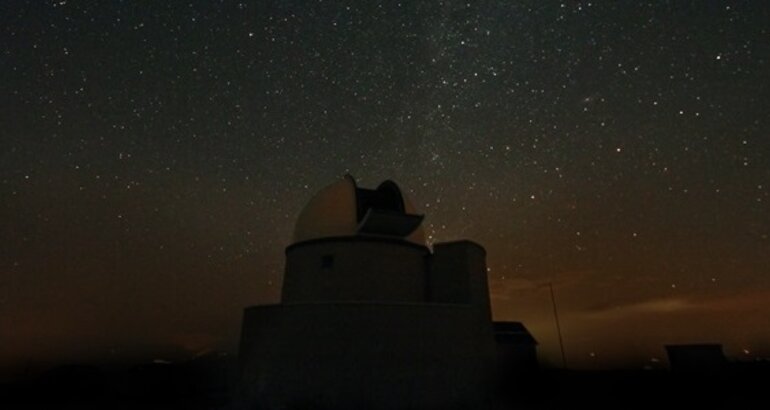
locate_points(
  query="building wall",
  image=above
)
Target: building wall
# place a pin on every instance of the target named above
(356, 355)
(355, 269)
(458, 274)
(372, 323)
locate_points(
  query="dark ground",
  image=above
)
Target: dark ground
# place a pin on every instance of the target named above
(203, 384)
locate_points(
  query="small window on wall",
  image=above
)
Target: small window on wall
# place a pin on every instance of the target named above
(327, 262)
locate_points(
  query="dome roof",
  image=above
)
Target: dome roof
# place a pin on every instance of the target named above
(343, 209)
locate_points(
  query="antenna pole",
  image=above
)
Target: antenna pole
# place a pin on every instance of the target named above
(558, 326)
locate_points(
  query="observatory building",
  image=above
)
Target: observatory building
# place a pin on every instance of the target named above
(370, 316)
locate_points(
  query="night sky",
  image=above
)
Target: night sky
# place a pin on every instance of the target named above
(154, 157)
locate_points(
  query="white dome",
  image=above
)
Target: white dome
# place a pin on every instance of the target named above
(334, 211)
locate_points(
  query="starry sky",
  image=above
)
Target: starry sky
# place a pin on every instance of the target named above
(154, 157)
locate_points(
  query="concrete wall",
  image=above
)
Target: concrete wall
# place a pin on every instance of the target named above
(374, 356)
(458, 274)
(361, 269)
(372, 323)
